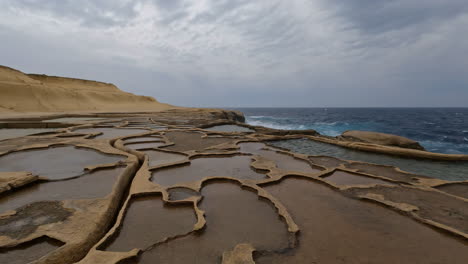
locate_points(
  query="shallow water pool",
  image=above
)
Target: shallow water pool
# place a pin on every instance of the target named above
(446, 170)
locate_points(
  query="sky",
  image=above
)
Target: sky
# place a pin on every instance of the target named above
(250, 53)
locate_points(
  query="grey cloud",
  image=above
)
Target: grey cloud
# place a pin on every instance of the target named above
(89, 12)
(377, 16)
(255, 53)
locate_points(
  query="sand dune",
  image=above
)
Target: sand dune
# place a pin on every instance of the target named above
(20, 92)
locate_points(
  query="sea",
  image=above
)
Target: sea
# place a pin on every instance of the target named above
(442, 130)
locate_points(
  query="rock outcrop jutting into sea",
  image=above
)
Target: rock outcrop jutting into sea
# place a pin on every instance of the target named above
(381, 139)
(184, 185)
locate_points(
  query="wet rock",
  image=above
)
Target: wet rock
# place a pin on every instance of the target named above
(29, 251)
(12, 180)
(177, 194)
(338, 229)
(148, 221)
(380, 139)
(458, 189)
(28, 218)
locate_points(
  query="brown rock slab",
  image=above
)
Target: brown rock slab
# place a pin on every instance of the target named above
(148, 220)
(185, 141)
(97, 184)
(343, 178)
(142, 139)
(29, 251)
(434, 206)
(158, 158)
(28, 218)
(381, 139)
(457, 189)
(200, 168)
(144, 145)
(325, 161)
(110, 133)
(176, 194)
(385, 171)
(12, 180)
(282, 161)
(234, 216)
(337, 229)
(59, 162)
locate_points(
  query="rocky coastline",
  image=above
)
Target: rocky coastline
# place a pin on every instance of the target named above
(187, 185)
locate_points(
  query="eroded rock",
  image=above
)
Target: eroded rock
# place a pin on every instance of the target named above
(381, 139)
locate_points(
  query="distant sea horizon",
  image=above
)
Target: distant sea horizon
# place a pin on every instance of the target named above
(438, 129)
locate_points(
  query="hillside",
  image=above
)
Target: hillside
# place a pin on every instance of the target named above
(20, 92)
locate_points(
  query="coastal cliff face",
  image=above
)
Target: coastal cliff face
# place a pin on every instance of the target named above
(22, 92)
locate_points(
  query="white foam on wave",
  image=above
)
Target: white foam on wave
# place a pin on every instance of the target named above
(267, 117)
(440, 147)
(275, 125)
(322, 130)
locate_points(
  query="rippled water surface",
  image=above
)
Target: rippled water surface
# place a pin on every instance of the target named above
(446, 170)
(443, 130)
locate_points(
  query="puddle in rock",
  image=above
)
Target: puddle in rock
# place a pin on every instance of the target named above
(58, 162)
(138, 120)
(446, 170)
(109, 133)
(233, 216)
(157, 158)
(282, 161)
(147, 125)
(74, 119)
(29, 251)
(251, 147)
(148, 221)
(142, 139)
(156, 127)
(7, 133)
(338, 229)
(385, 171)
(185, 141)
(28, 218)
(144, 145)
(435, 206)
(328, 162)
(94, 185)
(345, 178)
(176, 194)
(457, 189)
(234, 167)
(229, 128)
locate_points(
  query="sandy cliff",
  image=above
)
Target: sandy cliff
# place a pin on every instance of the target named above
(20, 92)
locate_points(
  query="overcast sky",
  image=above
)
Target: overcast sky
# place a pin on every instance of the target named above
(228, 53)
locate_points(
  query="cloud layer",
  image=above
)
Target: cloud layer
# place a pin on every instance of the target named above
(249, 53)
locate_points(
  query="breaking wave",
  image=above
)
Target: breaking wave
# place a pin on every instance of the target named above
(438, 130)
